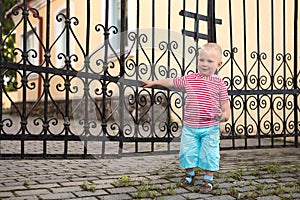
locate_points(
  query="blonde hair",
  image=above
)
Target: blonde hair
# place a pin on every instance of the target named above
(214, 46)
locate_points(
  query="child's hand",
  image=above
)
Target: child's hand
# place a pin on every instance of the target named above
(223, 117)
(147, 83)
(165, 83)
(225, 113)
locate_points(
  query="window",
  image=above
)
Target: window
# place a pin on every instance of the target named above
(60, 46)
(32, 48)
(115, 20)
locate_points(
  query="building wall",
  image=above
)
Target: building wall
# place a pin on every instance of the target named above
(159, 18)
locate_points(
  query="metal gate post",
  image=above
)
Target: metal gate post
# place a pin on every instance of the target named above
(1, 76)
(211, 24)
(123, 35)
(296, 45)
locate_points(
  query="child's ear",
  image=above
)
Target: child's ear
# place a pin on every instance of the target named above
(219, 64)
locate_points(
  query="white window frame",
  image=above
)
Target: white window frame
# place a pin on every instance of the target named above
(131, 24)
(60, 44)
(32, 43)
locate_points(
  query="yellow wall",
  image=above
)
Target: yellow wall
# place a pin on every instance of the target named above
(78, 9)
(161, 12)
(223, 37)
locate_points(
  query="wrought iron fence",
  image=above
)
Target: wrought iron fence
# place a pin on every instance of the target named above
(90, 101)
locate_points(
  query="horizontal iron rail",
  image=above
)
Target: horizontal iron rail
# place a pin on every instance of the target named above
(41, 69)
(85, 156)
(197, 16)
(255, 136)
(262, 92)
(195, 35)
(27, 137)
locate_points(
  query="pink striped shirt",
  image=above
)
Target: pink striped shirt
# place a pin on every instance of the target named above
(204, 94)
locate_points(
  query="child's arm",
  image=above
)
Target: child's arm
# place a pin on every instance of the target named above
(225, 108)
(168, 83)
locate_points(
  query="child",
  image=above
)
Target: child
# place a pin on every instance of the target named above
(206, 106)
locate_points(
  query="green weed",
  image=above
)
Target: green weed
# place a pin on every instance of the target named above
(88, 186)
(123, 181)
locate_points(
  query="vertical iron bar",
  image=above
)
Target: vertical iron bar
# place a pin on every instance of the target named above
(183, 41)
(152, 68)
(136, 124)
(284, 77)
(123, 35)
(211, 25)
(231, 66)
(183, 70)
(258, 72)
(272, 72)
(168, 75)
(296, 46)
(245, 75)
(152, 129)
(196, 30)
(46, 81)
(88, 27)
(1, 75)
(67, 81)
(106, 38)
(86, 80)
(24, 80)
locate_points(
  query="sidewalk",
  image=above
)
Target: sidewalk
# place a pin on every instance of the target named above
(245, 174)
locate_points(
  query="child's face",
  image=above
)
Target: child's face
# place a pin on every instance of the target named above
(208, 62)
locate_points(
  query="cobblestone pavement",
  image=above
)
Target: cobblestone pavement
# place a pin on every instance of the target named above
(245, 174)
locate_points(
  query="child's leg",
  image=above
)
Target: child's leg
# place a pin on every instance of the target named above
(189, 178)
(208, 175)
(190, 174)
(188, 155)
(209, 157)
(207, 185)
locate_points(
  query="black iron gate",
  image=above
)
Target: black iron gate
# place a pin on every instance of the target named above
(89, 102)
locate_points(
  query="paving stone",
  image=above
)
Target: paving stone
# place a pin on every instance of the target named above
(241, 183)
(192, 195)
(122, 190)
(23, 198)
(32, 192)
(65, 189)
(266, 180)
(41, 186)
(180, 190)
(90, 193)
(85, 198)
(53, 180)
(6, 194)
(269, 176)
(269, 198)
(291, 196)
(287, 179)
(287, 175)
(17, 183)
(173, 197)
(223, 197)
(71, 183)
(225, 185)
(250, 177)
(12, 188)
(64, 177)
(159, 181)
(246, 189)
(116, 196)
(57, 196)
